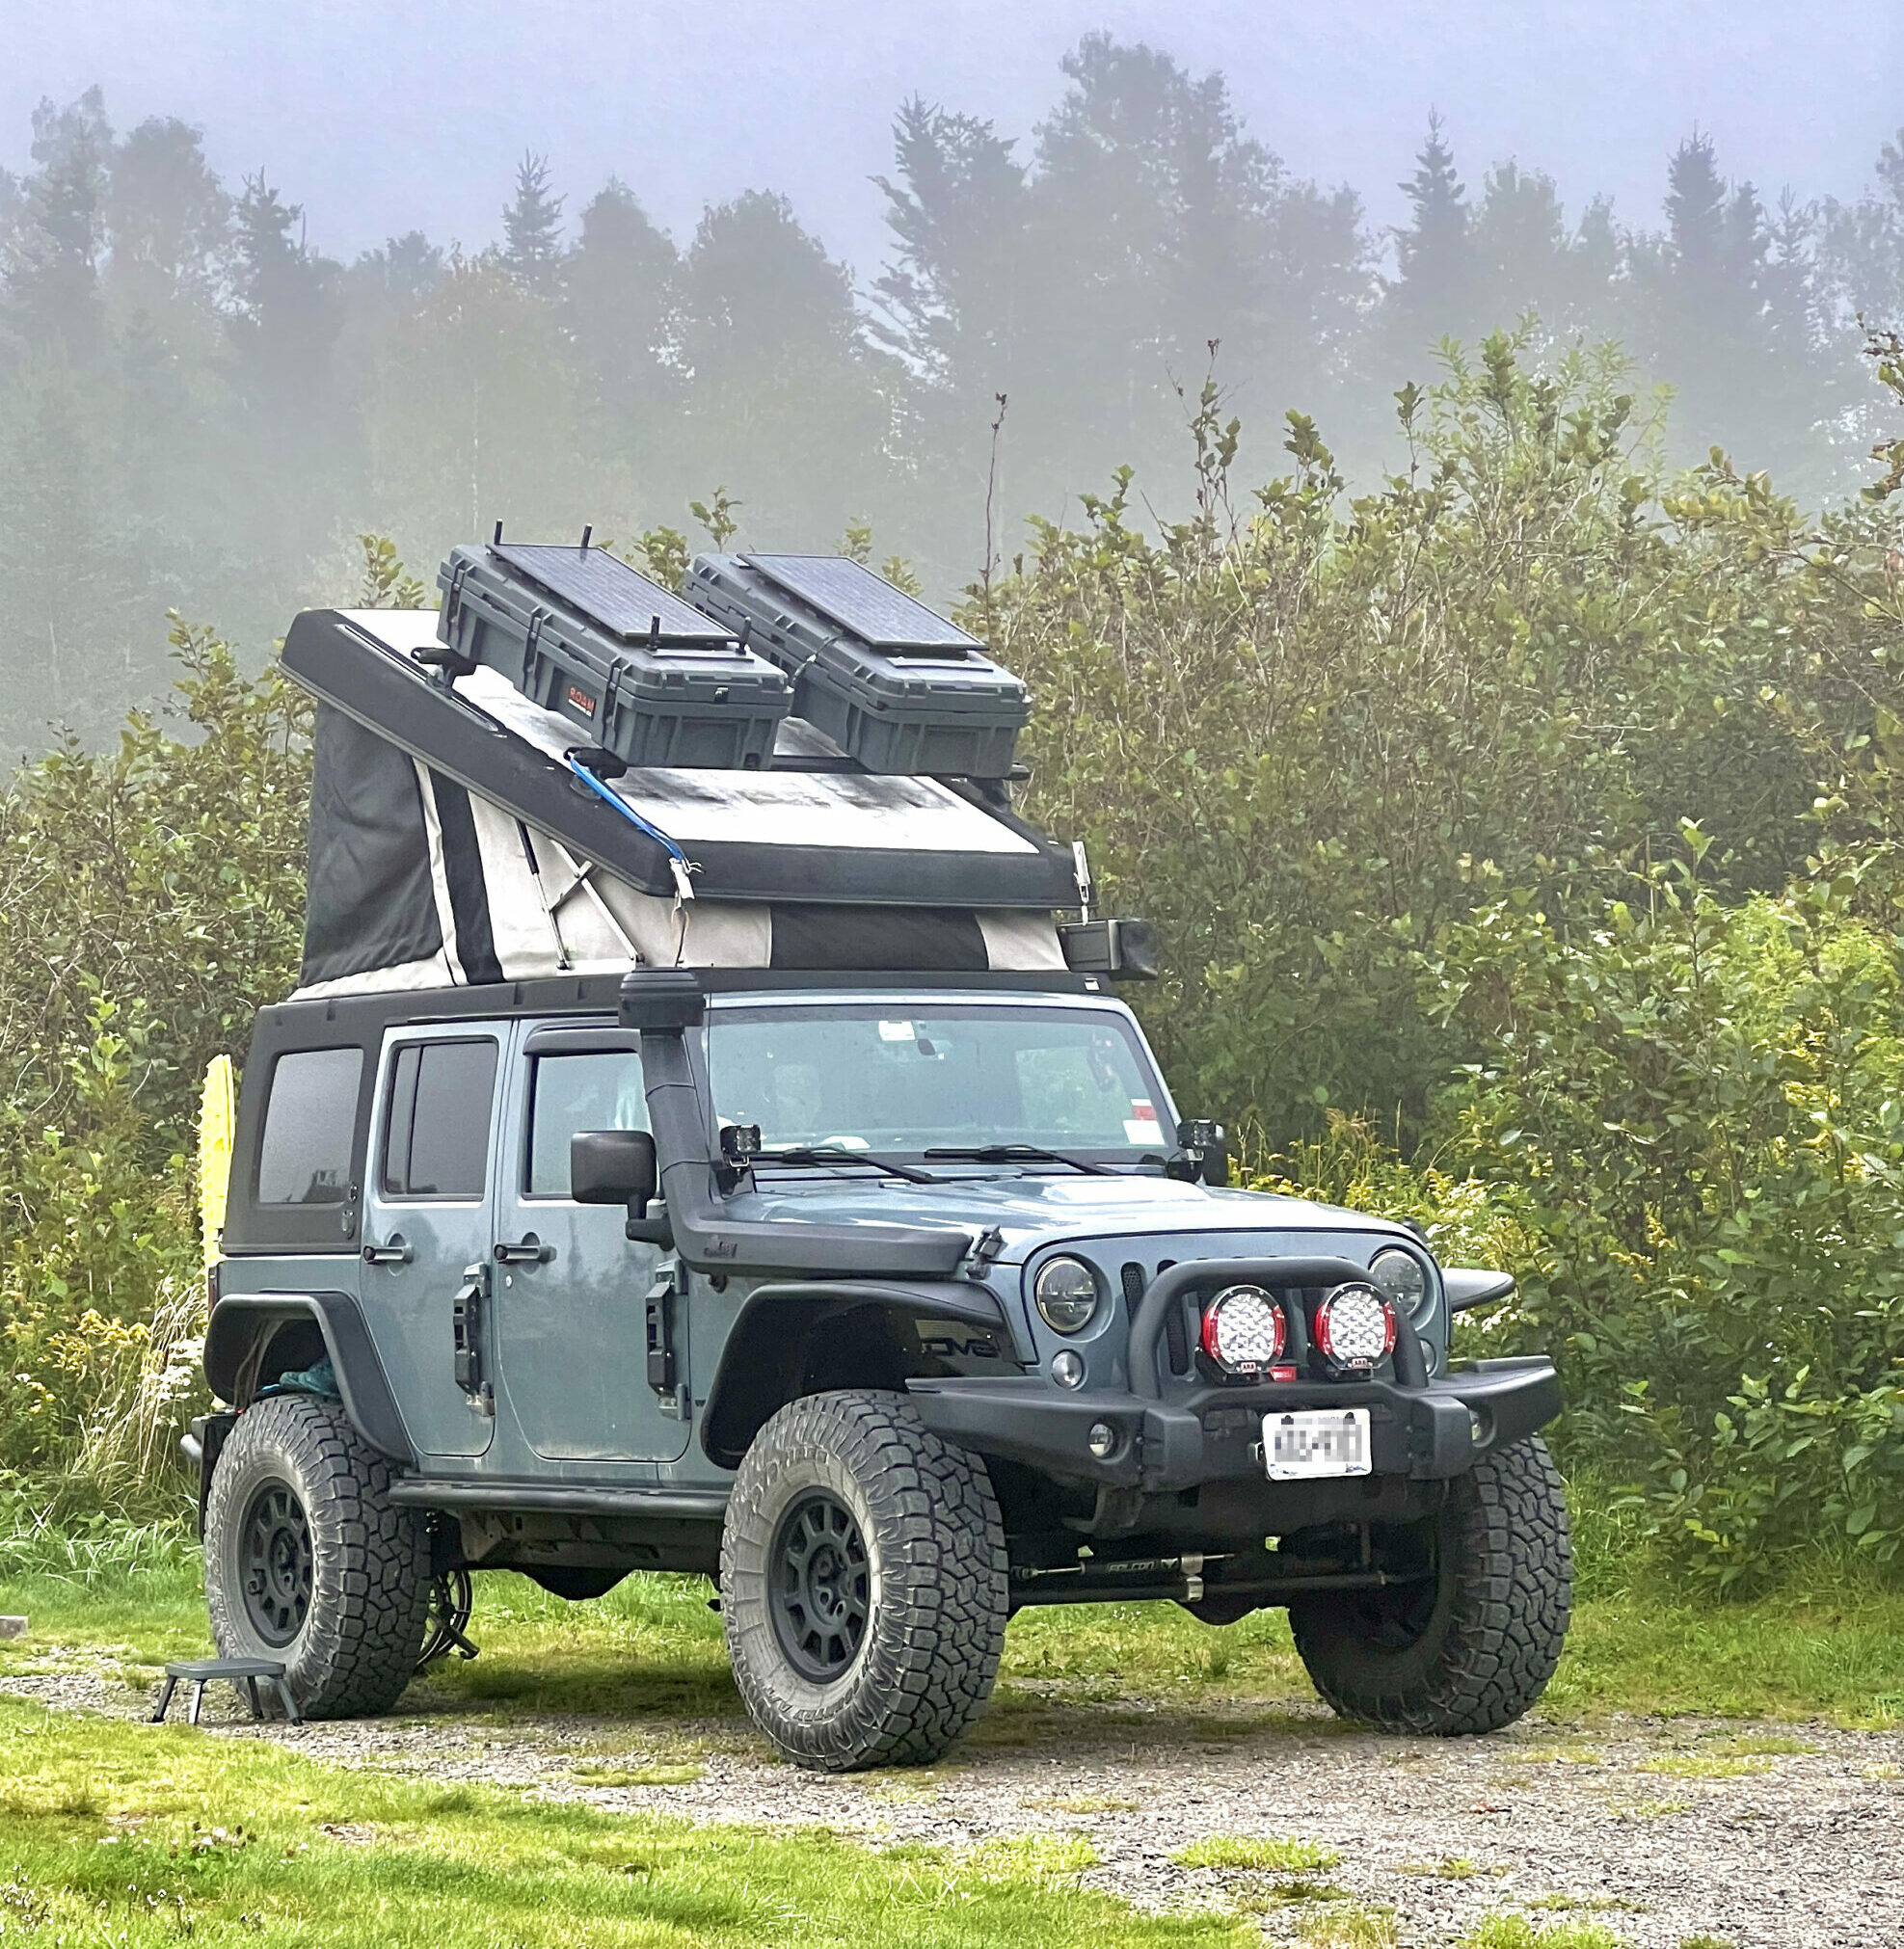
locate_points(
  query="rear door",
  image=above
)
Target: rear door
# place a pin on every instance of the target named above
(572, 1307)
(428, 1221)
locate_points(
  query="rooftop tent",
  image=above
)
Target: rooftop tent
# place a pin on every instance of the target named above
(459, 836)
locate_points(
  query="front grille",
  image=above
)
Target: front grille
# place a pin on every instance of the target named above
(1176, 1335)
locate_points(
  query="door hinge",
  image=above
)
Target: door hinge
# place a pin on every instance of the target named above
(466, 1322)
(661, 1339)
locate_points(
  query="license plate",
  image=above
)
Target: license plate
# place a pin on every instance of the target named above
(1323, 1441)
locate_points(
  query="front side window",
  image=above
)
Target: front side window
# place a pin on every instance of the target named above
(304, 1153)
(571, 1093)
(436, 1133)
(894, 1076)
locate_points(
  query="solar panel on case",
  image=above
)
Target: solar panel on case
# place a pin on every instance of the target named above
(612, 595)
(848, 593)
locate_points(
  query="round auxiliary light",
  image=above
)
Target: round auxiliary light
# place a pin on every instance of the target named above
(1067, 1368)
(1066, 1295)
(1397, 1276)
(1102, 1440)
(1355, 1327)
(1242, 1329)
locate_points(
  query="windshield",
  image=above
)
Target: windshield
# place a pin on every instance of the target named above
(898, 1076)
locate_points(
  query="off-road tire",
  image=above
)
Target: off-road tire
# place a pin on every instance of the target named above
(1477, 1649)
(356, 1645)
(936, 1585)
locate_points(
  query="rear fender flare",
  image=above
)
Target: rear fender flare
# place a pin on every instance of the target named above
(769, 1349)
(244, 1325)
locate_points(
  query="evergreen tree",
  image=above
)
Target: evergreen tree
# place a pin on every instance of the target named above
(285, 319)
(533, 228)
(770, 337)
(51, 277)
(957, 207)
(168, 218)
(619, 312)
(1435, 291)
(1859, 285)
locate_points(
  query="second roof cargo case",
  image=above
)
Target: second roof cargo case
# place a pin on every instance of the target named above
(641, 673)
(897, 687)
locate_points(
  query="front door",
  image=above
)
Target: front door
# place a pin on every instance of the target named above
(571, 1306)
(427, 1226)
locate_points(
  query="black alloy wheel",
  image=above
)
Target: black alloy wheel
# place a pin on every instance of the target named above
(864, 1583)
(279, 1565)
(820, 1594)
(308, 1561)
(1470, 1641)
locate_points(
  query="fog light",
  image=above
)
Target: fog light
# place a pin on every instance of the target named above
(1102, 1440)
(1067, 1368)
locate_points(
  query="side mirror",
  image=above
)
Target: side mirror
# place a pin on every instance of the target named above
(612, 1167)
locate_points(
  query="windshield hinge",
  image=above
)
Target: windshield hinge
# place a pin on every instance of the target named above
(985, 1248)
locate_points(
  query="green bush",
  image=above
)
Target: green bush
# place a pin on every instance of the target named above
(151, 897)
(1696, 1115)
(1305, 737)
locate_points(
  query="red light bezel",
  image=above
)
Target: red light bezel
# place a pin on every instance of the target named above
(1207, 1337)
(1387, 1306)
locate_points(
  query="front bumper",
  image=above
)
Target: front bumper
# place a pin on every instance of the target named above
(1215, 1434)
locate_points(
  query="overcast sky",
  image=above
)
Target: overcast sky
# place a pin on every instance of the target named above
(380, 117)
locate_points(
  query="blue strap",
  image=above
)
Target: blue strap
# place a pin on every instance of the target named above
(614, 798)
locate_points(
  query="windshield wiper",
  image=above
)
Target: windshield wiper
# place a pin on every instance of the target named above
(839, 1154)
(1021, 1154)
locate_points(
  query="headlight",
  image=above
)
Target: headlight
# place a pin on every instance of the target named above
(1242, 1329)
(1355, 1327)
(1066, 1295)
(1397, 1276)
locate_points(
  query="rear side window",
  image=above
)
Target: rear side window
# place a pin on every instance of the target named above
(436, 1136)
(571, 1093)
(304, 1154)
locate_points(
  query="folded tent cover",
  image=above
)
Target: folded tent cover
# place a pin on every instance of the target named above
(464, 833)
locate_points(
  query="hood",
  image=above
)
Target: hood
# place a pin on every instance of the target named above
(1034, 1211)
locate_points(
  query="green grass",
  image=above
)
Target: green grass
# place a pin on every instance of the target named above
(1704, 1766)
(1350, 1929)
(1522, 1932)
(1828, 1646)
(1281, 1853)
(142, 1836)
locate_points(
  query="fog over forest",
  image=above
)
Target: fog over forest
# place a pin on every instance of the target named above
(199, 411)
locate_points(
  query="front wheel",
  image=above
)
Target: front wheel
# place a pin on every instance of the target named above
(1469, 1644)
(308, 1561)
(864, 1584)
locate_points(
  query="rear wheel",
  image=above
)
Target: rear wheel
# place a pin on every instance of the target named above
(863, 1584)
(1469, 1646)
(308, 1561)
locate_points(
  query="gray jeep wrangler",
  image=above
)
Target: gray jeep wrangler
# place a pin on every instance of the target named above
(885, 1303)
(705, 1149)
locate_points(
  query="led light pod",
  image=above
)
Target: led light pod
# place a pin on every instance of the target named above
(1242, 1329)
(1355, 1327)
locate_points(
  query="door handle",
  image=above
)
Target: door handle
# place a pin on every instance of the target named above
(529, 1251)
(398, 1251)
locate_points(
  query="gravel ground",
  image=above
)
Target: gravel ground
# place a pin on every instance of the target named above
(1765, 1837)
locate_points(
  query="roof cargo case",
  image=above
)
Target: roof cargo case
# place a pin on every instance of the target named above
(897, 687)
(581, 633)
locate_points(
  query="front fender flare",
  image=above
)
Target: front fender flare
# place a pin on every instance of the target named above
(756, 1375)
(242, 1325)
